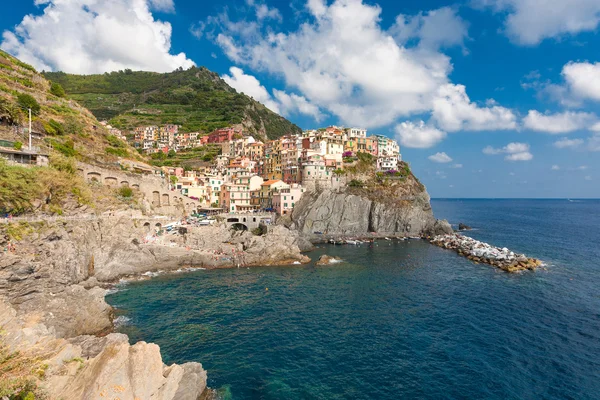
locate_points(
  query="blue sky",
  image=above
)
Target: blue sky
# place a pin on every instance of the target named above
(488, 98)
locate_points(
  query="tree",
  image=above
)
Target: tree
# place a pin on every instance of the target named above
(18, 145)
(171, 153)
(27, 101)
(10, 112)
(57, 90)
(173, 179)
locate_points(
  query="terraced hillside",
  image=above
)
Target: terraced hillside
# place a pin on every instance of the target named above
(197, 99)
(66, 126)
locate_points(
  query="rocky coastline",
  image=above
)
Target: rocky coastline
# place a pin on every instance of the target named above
(53, 281)
(480, 252)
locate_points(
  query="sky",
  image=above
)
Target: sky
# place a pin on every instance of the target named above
(487, 98)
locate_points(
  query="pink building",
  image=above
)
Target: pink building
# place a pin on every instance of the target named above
(285, 199)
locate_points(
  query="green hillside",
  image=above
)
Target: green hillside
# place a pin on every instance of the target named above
(197, 99)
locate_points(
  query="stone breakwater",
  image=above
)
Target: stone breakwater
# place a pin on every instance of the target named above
(481, 252)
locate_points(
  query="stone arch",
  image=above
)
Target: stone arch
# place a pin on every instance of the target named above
(156, 199)
(158, 225)
(165, 199)
(233, 220)
(135, 186)
(239, 227)
(244, 219)
(94, 177)
(110, 181)
(124, 183)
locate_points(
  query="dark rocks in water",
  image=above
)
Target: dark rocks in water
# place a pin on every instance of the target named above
(464, 227)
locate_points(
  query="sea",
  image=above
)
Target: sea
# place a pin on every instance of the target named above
(396, 319)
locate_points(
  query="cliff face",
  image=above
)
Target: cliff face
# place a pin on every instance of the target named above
(373, 204)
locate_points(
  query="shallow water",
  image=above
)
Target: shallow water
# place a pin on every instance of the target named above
(397, 319)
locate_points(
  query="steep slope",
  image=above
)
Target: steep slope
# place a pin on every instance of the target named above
(197, 99)
(64, 131)
(369, 203)
(68, 127)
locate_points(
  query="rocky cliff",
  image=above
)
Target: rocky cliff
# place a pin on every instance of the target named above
(382, 204)
(52, 288)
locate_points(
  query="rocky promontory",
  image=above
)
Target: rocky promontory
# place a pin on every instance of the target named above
(369, 204)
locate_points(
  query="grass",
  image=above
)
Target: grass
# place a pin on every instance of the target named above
(23, 189)
(20, 374)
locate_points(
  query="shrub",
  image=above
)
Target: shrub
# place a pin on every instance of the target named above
(125, 192)
(261, 230)
(27, 101)
(339, 171)
(67, 148)
(365, 157)
(18, 145)
(57, 90)
(347, 154)
(54, 128)
(61, 163)
(355, 183)
(73, 126)
(116, 152)
(10, 111)
(115, 141)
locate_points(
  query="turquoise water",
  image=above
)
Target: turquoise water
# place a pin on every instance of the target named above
(396, 320)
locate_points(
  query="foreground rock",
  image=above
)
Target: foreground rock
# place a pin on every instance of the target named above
(481, 252)
(327, 260)
(88, 367)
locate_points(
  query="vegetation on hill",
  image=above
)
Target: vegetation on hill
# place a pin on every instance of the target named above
(68, 128)
(197, 99)
(70, 133)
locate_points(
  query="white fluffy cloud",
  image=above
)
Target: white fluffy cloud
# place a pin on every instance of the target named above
(583, 79)
(568, 143)
(342, 61)
(250, 86)
(454, 111)
(441, 158)
(530, 21)
(292, 103)
(554, 124)
(88, 36)
(514, 151)
(420, 135)
(281, 102)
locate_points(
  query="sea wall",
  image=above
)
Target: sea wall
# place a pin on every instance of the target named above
(481, 252)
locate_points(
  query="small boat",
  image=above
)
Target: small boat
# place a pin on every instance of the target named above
(353, 242)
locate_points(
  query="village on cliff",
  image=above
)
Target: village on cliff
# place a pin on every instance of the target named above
(250, 175)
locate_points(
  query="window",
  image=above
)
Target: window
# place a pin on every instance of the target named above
(285, 205)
